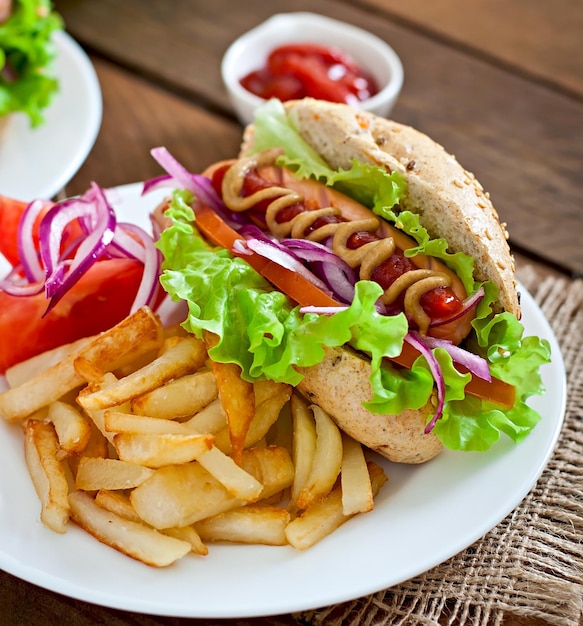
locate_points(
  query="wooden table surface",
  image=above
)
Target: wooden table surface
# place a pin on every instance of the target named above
(499, 83)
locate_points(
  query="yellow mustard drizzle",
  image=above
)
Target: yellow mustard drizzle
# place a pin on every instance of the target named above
(414, 284)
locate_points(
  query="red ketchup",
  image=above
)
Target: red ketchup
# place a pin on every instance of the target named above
(301, 70)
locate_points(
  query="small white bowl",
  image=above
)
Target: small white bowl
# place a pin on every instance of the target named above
(249, 52)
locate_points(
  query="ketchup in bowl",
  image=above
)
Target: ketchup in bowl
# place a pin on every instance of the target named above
(301, 70)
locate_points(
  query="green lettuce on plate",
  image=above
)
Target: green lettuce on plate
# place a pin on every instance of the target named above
(27, 84)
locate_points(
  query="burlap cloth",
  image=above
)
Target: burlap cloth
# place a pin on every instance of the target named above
(530, 566)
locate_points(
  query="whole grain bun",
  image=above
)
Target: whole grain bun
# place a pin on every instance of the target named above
(450, 201)
(340, 383)
(451, 204)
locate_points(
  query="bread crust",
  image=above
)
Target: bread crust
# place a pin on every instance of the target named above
(450, 201)
(340, 384)
(452, 204)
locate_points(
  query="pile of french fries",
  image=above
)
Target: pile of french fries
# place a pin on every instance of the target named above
(155, 450)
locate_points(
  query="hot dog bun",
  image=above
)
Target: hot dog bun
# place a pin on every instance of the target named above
(451, 204)
(340, 384)
(450, 201)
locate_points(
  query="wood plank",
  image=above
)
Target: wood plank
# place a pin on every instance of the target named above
(523, 140)
(22, 603)
(137, 117)
(539, 38)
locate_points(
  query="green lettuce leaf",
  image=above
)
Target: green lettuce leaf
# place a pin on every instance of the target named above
(26, 55)
(263, 332)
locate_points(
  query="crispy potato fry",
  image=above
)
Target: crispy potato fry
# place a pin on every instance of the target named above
(303, 445)
(119, 422)
(117, 502)
(159, 450)
(23, 371)
(178, 398)
(211, 419)
(98, 415)
(154, 449)
(234, 478)
(249, 524)
(357, 496)
(269, 400)
(73, 430)
(238, 400)
(326, 462)
(89, 371)
(179, 495)
(190, 535)
(326, 515)
(136, 540)
(97, 473)
(97, 446)
(140, 331)
(48, 475)
(120, 504)
(185, 355)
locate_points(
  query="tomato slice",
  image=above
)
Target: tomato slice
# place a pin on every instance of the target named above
(101, 299)
(11, 211)
(305, 293)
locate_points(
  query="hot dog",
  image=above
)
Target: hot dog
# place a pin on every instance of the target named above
(345, 214)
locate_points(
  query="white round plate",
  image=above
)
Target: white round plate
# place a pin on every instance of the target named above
(39, 162)
(424, 515)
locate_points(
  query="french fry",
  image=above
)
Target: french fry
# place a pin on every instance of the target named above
(326, 462)
(250, 524)
(48, 475)
(191, 536)
(97, 446)
(303, 444)
(179, 495)
(140, 331)
(178, 398)
(120, 422)
(326, 515)
(120, 504)
(117, 502)
(238, 400)
(97, 416)
(23, 371)
(73, 430)
(357, 496)
(184, 356)
(234, 478)
(158, 450)
(136, 540)
(97, 473)
(154, 450)
(211, 419)
(270, 397)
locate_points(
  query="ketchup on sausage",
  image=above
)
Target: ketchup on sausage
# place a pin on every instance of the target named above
(310, 70)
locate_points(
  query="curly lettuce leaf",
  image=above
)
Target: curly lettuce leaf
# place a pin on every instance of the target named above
(225, 295)
(26, 55)
(259, 328)
(371, 185)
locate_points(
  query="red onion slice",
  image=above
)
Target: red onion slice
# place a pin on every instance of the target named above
(198, 184)
(437, 374)
(322, 310)
(60, 262)
(27, 251)
(274, 253)
(474, 363)
(16, 284)
(149, 286)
